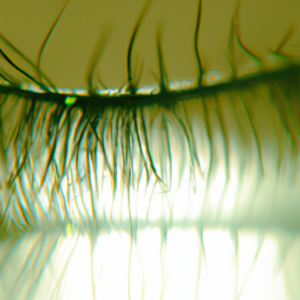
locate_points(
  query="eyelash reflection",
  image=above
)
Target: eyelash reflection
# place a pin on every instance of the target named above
(142, 141)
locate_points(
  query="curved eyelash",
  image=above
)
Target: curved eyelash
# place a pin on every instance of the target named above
(104, 118)
(239, 38)
(26, 59)
(131, 85)
(138, 140)
(38, 63)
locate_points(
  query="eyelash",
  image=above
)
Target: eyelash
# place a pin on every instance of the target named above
(126, 130)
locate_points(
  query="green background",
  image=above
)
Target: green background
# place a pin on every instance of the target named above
(70, 48)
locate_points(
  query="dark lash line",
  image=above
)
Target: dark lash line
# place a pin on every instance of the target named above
(292, 71)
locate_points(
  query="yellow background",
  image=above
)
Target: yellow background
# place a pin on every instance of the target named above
(68, 52)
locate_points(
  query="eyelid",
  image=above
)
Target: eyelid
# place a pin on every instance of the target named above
(150, 96)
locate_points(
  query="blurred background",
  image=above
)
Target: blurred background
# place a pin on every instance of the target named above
(72, 43)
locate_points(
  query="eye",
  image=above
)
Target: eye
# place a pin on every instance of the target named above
(182, 183)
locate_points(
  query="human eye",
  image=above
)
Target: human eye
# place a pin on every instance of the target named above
(173, 175)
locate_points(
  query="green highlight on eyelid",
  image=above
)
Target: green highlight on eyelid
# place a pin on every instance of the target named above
(70, 100)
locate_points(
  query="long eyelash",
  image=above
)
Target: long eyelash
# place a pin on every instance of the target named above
(163, 76)
(104, 37)
(239, 38)
(132, 85)
(38, 64)
(117, 132)
(22, 71)
(196, 44)
(26, 59)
